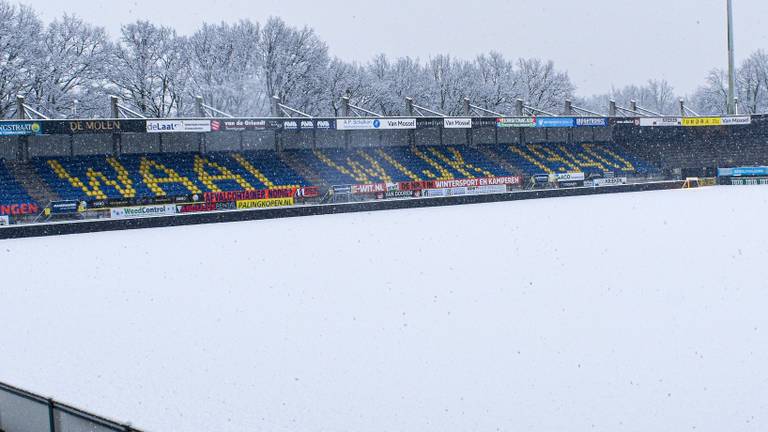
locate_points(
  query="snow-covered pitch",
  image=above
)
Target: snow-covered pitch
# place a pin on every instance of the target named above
(632, 312)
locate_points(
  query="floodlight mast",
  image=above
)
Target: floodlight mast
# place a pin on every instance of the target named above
(731, 78)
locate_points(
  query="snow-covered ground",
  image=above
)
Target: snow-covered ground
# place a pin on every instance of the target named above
(636, 312)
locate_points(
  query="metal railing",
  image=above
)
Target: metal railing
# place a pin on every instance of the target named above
(23, 411)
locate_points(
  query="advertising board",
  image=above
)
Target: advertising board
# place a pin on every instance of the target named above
(76, 127)
(304, 124)
(64, 207)
(394, 194)
(661, 121)
(416, 185)
(308, 192)
(341, 189)
(591, 122)
(736, 120)
(751, 181)
(19, 209)
(457, 123)
(516, 122)
(376, 124)
(264, 203)
(19, 128)
(489, 189)
(205, 207)
(485, 181)
(749, 171)
(238, 125)
(178, 126)
(702, 121)
(369, 188)
(576, 176)
(142, 211)
(570, 183)
(435, 192)
(5, 220)
(247, 195)
(609, 181)
(555, 122)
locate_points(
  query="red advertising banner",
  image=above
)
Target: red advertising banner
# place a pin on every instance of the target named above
(378, 188)
(486, 181)
(249, 195)
(416, 185)
(19, 209)
(308, 192)
(369, 188)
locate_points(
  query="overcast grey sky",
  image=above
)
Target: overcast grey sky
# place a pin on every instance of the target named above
(600, 42)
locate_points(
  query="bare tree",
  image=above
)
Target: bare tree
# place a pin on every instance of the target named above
(292, 62)
(497, 82)
(712, 97)
(752, 83)
(223, 67)
(448, 81)
(66, 80)
(148, 68)
(541, 85)
(20, 29)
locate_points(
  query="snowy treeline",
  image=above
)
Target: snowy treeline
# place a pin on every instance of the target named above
(68, 67)
(709, 98)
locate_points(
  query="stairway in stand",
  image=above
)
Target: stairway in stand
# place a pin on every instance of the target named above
(303, 169)
(31, 182)
(490, 154)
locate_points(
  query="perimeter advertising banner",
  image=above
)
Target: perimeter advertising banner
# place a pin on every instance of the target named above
(19, 209)
(591, 122)
(702, 121)
(516, 122)
(555, 122)
(142, 211)
(264, 203)
(20, 128)
(574, 176)
(178, 126)
(299, 124)
(551, 122)
(615, 181)
(475, 182)
(75, 127)
(457, 123)
(694, 121)
(661, 121)
(756, 171)
(376, 124)
(736, 120)
(239, 125)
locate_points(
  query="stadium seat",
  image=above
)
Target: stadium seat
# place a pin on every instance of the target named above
(169, 174)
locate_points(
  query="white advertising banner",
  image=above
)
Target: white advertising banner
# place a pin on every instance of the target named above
(578, 176)
(375, 124)
(609, 181)
(661, 121)
(142, 211)
(481, 190)
(197, 125)
(177, 126)
(435, 192)
(457, 123)
(737, 120)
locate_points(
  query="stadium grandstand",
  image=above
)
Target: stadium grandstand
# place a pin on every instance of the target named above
(52, 167)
